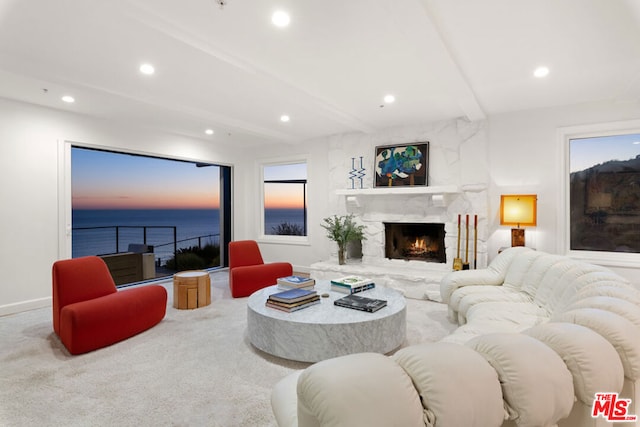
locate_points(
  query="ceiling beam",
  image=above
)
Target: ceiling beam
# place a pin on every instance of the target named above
(466, 99)
(150, 18)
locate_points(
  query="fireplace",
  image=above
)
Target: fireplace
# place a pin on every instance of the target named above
(415, 241)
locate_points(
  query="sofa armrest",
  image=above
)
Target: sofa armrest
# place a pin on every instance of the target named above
(494, 274)
(458, 279)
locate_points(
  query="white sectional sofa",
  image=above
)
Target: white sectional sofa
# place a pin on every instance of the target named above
(539, 335)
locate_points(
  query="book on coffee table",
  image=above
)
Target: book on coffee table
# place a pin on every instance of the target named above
(352, 281)
(295, 282)
(361, 303)
(351, 290)
(292, 295)
(293, 306)
(351, 284)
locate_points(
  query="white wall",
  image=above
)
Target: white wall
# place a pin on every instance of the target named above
(301, 255)
(524, 157)
(29, 223)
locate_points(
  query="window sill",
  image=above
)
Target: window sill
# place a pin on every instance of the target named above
(285, 240)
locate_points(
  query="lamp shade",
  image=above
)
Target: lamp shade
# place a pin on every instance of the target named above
(518, 209)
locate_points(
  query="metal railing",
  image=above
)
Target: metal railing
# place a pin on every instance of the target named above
(99, 243)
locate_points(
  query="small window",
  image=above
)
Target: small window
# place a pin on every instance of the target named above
(285, 199)
(604, 193)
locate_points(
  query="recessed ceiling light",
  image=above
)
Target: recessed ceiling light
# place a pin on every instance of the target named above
(147, 69)
(280, 19)
(284, 118)
(209, 132)
(389, 99)
(541, 72)
(68, 99)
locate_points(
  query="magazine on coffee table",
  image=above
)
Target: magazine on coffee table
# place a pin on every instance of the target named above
(358, 302)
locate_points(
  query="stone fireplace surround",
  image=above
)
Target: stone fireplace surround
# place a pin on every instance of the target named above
(458, 180)
(415, 278)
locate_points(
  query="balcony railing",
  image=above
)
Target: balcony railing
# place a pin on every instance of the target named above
(114, 239)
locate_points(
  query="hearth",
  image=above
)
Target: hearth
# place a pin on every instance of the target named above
(415, 241)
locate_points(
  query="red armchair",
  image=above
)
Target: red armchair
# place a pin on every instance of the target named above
(90, 313)
(248, 272)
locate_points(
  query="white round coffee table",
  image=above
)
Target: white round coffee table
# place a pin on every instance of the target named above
(324, 330)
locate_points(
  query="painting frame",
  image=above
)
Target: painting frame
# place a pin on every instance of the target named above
(401, 165)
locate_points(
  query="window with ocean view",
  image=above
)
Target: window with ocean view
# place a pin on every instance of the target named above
(285, 199)
(147, 217)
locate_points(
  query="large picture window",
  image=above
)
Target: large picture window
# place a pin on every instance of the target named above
(603, 191)
(147, 217)
(285, 199)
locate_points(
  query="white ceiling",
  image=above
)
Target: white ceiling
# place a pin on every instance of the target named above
(231, 70)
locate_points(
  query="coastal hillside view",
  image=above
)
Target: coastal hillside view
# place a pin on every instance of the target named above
(155, 215)
(605, 194)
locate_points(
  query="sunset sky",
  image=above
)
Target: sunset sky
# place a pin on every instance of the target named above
(587, 152)
(104, 180)
(284, 196)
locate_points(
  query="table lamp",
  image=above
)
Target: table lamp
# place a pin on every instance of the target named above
(518, 210)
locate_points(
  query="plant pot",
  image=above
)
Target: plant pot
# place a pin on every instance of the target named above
(342, 254)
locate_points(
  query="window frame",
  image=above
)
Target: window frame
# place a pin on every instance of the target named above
(274, 238)
(565, 135)
(65, 208)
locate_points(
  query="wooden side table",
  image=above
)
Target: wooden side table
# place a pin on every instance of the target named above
(191, 289)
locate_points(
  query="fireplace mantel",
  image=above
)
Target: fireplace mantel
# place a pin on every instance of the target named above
(434, 189)
(437, 192)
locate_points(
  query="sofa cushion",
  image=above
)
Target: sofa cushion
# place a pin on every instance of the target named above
(575, 280)
(620, 332)
(469, 296)
(519, 269)
(355, 390)
(284, 400)
(626, 309)
(471, 330)
(555, 277)
(537, 387)
(592, 361)
(524, 314)
(539, 273)
(457, 386)
(612, 289)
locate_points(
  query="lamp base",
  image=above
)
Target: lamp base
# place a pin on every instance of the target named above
(517, 237)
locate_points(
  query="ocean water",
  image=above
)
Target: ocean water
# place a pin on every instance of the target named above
(192, 226)
(275, 217)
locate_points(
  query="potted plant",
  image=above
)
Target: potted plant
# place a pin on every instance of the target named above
(342, 230)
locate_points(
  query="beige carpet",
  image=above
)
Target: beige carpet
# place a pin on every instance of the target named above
(195, 368)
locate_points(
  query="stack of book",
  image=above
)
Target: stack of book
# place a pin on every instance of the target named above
(293, 300)
(296, 282)
(351, 284)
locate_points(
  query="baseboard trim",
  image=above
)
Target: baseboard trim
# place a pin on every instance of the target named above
(19, 307)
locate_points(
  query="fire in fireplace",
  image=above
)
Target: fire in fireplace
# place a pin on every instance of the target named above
(415, 241)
